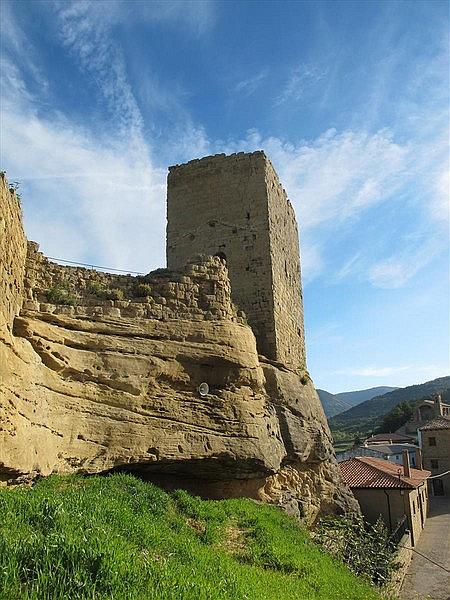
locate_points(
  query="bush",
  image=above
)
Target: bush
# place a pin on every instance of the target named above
(114, 294)
(364, 547)
(142, 289)
(61, 294)
(98, 289)
(95, 287)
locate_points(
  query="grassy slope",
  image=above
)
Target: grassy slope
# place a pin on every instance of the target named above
(119, 538)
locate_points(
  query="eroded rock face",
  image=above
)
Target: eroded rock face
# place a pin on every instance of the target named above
(93, 395)
(112, 384)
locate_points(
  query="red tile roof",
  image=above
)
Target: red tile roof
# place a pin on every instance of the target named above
(438, 423)
(369, 472)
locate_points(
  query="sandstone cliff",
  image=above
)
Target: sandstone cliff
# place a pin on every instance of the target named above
(111, 381)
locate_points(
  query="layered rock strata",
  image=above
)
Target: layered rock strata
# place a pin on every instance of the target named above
(112, 383)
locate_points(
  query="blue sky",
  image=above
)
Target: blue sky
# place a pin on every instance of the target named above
(348, 99)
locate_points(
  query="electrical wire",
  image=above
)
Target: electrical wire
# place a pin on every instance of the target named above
(72, 262)
(427, 558)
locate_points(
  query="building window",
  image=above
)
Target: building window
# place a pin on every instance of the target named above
(432, 441)
(434, 463)
(414, 507)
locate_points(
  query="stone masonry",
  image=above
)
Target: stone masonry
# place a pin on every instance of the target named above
(235, 207)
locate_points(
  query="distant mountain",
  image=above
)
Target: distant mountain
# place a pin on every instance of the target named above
(354, 398)
(333, 404)
(365, 416)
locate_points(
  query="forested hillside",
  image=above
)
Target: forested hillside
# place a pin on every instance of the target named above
(333, 404)
(366, 417)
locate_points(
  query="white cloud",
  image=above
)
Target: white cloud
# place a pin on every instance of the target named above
(398, 269)
(311, 261)
(336, 176)
(432, 371)
(300, 81)
(196, 16)
(247, 87)
(84, 197)
(87, 195)
(87, 37)
(440, 206)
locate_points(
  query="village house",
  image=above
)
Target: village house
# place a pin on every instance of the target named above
(390, 452)
(389, 491)
(434, 439)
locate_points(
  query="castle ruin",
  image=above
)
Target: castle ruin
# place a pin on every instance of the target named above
(100, 372)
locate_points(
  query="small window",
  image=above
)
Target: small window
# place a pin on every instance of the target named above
(414, 507)
(432, 441)
(434, 463)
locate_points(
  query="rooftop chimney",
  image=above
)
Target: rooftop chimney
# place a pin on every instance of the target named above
(419, 464)
(406, 469)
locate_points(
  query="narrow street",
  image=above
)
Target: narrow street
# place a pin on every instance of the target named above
(424, 580)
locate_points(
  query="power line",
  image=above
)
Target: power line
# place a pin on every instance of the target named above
(434, 476)
(427, 558)
(72, 262)
(427, 478)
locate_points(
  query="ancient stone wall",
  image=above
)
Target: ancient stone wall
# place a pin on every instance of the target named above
(234, 206)
(200, 291)
(13, 249)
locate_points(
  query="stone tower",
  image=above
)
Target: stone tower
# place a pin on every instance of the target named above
(235, 207)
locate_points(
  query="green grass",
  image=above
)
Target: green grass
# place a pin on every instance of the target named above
(120, 538)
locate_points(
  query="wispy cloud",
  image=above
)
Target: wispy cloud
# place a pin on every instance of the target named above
(85, 191)
(87, 37)
(302, 79)
(84, 196)
(336, 178)
(396, 270)
(197, 17)
(247, 87)
(372, 371)
(311, 261)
